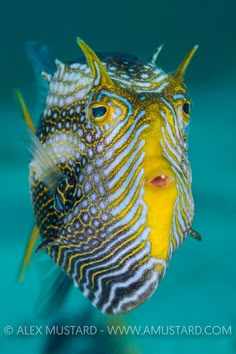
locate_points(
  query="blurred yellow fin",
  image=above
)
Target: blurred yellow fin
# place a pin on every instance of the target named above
(25, 112)
(28, 252)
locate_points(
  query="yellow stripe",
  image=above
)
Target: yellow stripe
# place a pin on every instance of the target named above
(100, 260)
(120, 134)
(71, 246)
(121, 149)
(141, 262)
(134, 251)
(93, 252)
(111, 239)
(127, 191)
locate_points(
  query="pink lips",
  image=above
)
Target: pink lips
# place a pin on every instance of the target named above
(161, 181)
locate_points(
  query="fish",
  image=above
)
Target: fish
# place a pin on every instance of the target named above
(110, 177)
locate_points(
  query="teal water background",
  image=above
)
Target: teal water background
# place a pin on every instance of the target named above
(199, 287)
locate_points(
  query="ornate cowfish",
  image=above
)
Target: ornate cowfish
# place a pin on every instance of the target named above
(110, 177)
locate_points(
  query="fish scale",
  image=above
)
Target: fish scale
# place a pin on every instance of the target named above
(112, 199)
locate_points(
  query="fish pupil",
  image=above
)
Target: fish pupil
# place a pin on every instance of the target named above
(98, 112)
(186, 108)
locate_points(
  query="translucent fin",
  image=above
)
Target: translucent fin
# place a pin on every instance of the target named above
(44, 67)
(55, 287)
(28, 252)
(26, 114)
(57, 293)
(195, 234)
(40, 57)
(45, 167)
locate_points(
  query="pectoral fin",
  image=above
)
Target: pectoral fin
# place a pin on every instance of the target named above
(45, 167)
(47, 243)
(54, 291)
(55, 285)
(194, 234)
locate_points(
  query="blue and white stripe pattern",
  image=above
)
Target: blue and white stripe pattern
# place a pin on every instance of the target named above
(174, 147)
(108, 265)
(93, 218)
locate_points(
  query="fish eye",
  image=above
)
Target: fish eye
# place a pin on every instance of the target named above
(186, 108)
(99, 112)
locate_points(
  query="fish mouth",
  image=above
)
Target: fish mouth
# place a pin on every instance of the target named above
(162, 180)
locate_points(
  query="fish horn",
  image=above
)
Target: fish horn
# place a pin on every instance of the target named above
(180, 71)
(101, 77)
(155, 54)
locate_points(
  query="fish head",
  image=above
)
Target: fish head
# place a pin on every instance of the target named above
(110, 104)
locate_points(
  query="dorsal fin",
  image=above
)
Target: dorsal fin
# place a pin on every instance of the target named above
(40, 57)
(44, 67)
